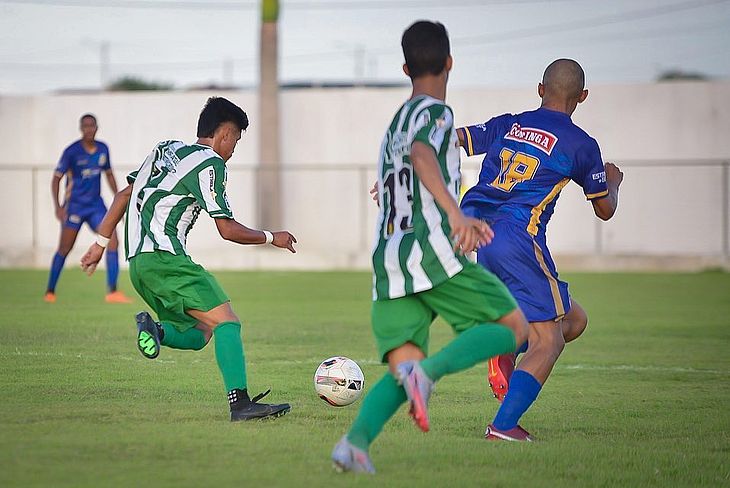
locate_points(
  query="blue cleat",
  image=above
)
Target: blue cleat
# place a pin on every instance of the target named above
(346, 457)
(418, 388)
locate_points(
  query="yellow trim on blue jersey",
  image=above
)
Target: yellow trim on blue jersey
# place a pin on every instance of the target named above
(600, 194)
(540, 207)
(554, 289)
(469, 143)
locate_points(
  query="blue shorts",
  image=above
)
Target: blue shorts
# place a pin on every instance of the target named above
(524, 264)
(77, 214)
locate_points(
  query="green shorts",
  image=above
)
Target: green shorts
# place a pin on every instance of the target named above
(172, 284)
(473, 296)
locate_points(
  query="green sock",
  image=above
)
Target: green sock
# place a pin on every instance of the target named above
(472, 346)
(381, 402)
(229, 355)
(190, 339)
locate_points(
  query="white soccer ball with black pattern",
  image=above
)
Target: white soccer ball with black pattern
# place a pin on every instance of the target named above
(339, 381)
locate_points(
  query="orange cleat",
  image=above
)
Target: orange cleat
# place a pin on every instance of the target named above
(500, 371)
(49, 297)
(117, 297)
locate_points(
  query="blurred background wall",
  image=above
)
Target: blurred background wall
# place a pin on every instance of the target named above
(670, 139)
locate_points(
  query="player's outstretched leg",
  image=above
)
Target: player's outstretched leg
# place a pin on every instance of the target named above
(347, 457)
(418, 387)
(148, 335)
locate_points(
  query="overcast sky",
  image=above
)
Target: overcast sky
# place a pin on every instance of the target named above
(47, 45)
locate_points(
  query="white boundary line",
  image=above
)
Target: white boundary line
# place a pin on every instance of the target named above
(371, 362)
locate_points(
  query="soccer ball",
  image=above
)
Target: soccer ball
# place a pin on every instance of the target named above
(339, 381)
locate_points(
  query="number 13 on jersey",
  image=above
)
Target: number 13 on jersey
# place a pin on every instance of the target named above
(516, 168)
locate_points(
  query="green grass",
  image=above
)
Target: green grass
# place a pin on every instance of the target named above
(642, 399)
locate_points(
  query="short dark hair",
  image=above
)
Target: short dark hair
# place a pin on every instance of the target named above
(218, 111)
(426, 47)
(87, 116)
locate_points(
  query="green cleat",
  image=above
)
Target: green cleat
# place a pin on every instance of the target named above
(148, 336)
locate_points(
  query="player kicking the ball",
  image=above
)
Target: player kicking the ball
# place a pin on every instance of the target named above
(163, 200)
(418, 263)
(529, 158)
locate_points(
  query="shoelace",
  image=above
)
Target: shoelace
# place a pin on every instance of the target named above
(260, 396)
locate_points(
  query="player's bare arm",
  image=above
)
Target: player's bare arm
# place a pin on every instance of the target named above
(606, 207)
(55, 184)
(106, 228)
(233, 231)
(111, 180)
(467, 233)
(460, 135)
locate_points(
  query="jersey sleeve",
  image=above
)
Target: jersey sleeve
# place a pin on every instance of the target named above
(433, 124)
(589, 171)
(478, 138)
(107, 164)
(64, 164)
(132, 177)
(209, 189)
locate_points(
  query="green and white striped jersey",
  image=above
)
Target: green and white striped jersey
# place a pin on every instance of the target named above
(413, 251)
(173, 184)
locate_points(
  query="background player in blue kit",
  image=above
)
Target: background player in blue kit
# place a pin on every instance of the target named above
(82, 164)
(529, 158)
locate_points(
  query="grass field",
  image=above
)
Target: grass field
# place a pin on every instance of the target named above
(642, 399)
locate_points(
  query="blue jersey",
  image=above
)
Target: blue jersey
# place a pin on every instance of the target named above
(84, 172)
(529, 158)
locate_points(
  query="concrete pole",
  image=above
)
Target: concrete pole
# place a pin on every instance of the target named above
(269, 177)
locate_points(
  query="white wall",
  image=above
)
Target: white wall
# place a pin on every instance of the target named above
(670, 138)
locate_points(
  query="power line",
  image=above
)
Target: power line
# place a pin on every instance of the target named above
(581, 24)
(254, 5)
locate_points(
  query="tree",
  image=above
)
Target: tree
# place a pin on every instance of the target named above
(679, 74)
(133, 83)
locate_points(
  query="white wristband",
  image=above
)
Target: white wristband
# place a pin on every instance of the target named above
(269, 236)
(101, 240)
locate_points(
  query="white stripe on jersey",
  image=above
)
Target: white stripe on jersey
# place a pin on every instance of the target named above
(396, 278)
(206, 179)
(420, 278)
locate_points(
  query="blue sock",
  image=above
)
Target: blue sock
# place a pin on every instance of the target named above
(522, 349)
(112, 270)
(523, 390)
(56, 267)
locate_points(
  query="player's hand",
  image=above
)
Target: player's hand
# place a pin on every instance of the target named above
(469, 234)
(61, 214)
(91, 258)
(614, 176)
(284, 240)
(374, 192)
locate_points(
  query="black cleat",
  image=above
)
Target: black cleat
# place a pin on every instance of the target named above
(148, 336)
(245, 409)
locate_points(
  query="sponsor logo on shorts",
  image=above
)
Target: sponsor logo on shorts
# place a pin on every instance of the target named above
(541, 139)
(74, 219)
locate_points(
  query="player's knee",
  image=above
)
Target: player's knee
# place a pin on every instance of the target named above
(64, 250)
(517, 322)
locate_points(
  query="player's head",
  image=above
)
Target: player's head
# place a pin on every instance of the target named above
(222, 121)
(563, 83)
(87, 125)
(426, 50)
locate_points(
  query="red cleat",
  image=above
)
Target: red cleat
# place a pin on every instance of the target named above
(515, 434)
(500, 371)
(49, 297)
